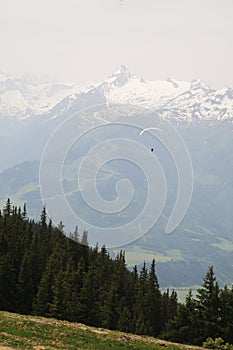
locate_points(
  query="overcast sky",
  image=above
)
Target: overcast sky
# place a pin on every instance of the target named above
(83, 40)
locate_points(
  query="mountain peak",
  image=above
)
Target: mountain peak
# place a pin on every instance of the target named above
(121, 76)
(198, 84)
(123, 70)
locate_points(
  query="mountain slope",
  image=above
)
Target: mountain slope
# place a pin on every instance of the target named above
(28, 332)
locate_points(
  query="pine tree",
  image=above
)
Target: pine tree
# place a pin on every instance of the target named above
(25, 286)
(44, 296)
(84, 239)
(7, 210)
(184, 326)
(123, 323)
(139, 313)
(88, 310)
(110, 309)
(48, 296)
(226, 302)
(76, 234)
(209, 305)
(71, 285)
(43, 218)
(24, 215)
(7, 283)
(153, 303)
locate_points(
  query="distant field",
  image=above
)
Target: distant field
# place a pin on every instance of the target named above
(27, 332)
(136, 255)
(224, 245)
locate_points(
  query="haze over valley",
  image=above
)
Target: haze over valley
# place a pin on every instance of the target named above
(30, 113)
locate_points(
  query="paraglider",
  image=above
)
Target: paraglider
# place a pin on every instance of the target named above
(147, 129)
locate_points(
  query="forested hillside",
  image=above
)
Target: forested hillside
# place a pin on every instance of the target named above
(43, 272)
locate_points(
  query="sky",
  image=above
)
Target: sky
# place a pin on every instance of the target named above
(87, 40)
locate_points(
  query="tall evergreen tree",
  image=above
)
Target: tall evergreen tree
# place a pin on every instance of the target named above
(184, 326)
(140, 319)
(226, 303)
(209, 305)
(153, 303)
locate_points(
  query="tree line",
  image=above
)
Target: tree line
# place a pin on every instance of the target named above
(44, 272)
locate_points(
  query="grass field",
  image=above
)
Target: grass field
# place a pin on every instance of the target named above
(28, 332)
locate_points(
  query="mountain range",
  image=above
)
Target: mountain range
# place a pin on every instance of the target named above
(30, 113)
(176, 100)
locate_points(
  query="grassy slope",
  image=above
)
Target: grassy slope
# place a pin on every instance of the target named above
(27, 332)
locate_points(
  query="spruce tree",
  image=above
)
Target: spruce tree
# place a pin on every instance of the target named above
(226, 302)
(209, 305)
(153, 303)
(184, 326)
(71, 285)
(139, 312)
(25, 285)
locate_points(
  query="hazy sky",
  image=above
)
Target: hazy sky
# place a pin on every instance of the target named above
(82, 40)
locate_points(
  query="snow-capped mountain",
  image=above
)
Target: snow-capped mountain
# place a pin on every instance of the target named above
(22, 100)
(177, 100)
